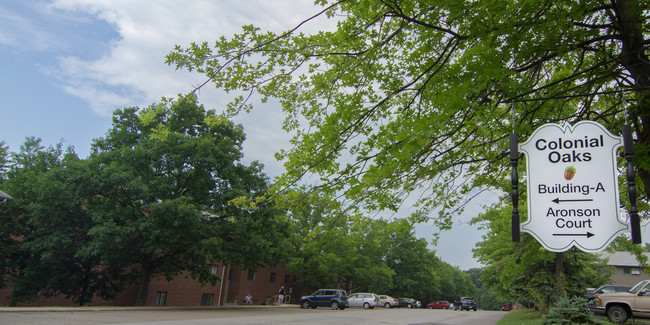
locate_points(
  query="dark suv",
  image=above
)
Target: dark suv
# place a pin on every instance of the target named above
(467, 303)
(333, 298)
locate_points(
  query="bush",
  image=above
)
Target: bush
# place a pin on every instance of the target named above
(570, 311)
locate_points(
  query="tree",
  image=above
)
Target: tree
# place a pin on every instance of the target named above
(4, 159)
(455, 283)
(6, 221)
(60, 237)
(485, 299)
(45, 229)
(525, 272)
(21, 267)
(167, 180)
(334, 247)
(413, 263)
(408, 96)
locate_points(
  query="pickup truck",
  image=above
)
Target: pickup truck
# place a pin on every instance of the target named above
(620, 306)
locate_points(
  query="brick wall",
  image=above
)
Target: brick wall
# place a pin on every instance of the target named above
(184, 291)
(263, 285)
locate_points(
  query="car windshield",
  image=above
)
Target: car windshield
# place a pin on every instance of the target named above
(638, 286)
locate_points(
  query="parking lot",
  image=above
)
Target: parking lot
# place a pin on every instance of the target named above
(240, 315)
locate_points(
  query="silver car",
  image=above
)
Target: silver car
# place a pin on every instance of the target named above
(362, 299)
(388, 301)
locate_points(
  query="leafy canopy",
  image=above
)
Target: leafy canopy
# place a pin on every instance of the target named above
(404, 97)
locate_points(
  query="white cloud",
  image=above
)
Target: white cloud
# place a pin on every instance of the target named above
(148, 30)
(132, 71)
(26, 33)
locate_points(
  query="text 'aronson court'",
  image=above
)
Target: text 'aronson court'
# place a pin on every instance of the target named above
(572, 187)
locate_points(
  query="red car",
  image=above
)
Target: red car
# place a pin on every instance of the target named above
(505, 306)
(442, 304)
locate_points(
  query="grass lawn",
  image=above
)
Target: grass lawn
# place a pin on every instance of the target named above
(532, 317)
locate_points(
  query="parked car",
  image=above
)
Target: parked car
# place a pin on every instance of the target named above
(440, 304)
(388, 301)
(620, 306)
(406, 302)
(467, 303)
(333, 298)
(362, 299)
(591, 295)
(505, 306)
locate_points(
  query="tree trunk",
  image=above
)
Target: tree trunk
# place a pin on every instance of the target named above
(143, 287)
(84, 295)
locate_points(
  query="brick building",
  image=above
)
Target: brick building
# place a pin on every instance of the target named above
(262, 284)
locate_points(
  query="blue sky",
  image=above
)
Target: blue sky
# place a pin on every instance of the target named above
(32, 41)
(66, 65)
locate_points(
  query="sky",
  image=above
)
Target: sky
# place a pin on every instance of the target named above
(66, 65)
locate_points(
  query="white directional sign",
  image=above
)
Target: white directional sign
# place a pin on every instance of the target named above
(572, 187)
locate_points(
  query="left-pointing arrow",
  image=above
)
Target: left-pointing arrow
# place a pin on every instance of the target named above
(557, 200)
(588, 234)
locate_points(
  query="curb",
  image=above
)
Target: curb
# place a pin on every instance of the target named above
(137, 308)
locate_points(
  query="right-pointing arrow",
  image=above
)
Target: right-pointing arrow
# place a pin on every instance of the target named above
(588, 235)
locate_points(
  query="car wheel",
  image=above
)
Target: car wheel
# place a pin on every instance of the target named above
(387, 305)
(617, 314)
(335, 305)
(366, 305)
(410, 306)
(305, 304)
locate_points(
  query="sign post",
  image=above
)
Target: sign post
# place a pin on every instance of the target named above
(573, 187)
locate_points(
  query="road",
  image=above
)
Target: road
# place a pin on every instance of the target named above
(249, 315)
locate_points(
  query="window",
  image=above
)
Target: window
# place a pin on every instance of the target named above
(272, 278)
(632, 270)
(213, 268)
(287, 278)
(207, 299)
(252, 274)
(161, 298)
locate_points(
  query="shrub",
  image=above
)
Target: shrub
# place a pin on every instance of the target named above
(570, 311)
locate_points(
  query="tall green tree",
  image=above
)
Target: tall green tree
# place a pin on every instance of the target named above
(60, 237)
(46, 228)
(454, 283)
(6, 221)
(21, 266)
(485, 299)
(167, 178)
(334, 247)
(525, 272)
(4, 159)
(395, 97)
(414, 264)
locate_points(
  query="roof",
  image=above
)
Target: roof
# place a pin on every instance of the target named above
(622, 258)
